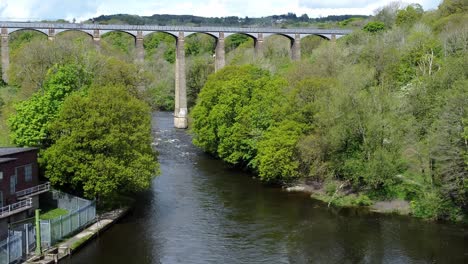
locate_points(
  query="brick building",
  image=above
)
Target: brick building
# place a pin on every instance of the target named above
(19, 185)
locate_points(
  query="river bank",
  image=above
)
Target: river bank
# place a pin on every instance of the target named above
(70, 246)
(342, 198)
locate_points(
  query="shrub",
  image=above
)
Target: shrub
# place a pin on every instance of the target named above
(430, 205)
(362, 200)
(373, 27)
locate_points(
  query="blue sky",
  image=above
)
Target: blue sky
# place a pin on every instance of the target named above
(84, 9)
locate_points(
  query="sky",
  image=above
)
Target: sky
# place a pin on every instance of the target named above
(24, 10)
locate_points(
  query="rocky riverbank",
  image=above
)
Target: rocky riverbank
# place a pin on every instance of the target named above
(344, 197)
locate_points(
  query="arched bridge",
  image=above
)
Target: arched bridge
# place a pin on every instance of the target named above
(179, 33)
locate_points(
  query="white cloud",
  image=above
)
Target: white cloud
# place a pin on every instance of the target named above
(335, 4)
(84, 9)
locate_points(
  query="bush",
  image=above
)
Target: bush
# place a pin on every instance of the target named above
(362, 200)
(430, 205)
(373, 27)
(330, 188)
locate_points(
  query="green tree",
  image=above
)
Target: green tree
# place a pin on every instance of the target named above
(277, 154)
(199, 68)
(157, 42)
(409, 15)
(374, 26)
(102, 144)
(30, 125)
(198, 43)
(119, 42)
(220, 102)
(387, 14)
(449, 145)
(235, 107)
(235, 40)
(449, 7)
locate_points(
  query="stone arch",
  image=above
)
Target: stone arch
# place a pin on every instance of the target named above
(148, 33)
(291, 38)
(211, 34)
(250, 35)
(310, 42)
(281, 48)
(129, 46)
(151, 49)
(324, 36)
(230, 35)
(59, 32)
(41, 31)
(287, 36)
(104, 32)
(188, 36)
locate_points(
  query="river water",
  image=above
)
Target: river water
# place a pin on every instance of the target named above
(200, 211)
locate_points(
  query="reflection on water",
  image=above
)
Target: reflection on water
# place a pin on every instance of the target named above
(200, 211)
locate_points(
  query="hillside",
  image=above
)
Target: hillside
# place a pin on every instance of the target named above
(286, 20)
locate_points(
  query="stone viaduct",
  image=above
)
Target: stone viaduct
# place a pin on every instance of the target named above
(95, 31)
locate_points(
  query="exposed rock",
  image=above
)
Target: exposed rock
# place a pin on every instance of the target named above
(393, 206)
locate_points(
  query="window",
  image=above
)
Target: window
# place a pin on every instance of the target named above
(1, 175)
(12, 184)
(1, 199)
(28, 173)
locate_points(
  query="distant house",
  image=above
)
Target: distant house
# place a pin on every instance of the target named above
(19, 185)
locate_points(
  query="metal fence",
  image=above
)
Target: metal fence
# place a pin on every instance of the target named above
(81, 213)
(34, 190)
(15, 207)
(11, 249)
(20, 242)
(68, 201)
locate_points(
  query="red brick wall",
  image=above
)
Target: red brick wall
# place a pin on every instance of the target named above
(8, 168)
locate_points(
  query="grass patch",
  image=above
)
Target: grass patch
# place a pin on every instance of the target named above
(344, 200)
(54, 213)
(79, 242)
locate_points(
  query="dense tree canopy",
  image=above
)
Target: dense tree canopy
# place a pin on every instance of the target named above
(384, 111)
(102, 144)
(30, 124)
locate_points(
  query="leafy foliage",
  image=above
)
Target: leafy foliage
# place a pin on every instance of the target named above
(276, 158)
(409, 15)
(30, 124)
(384, 113)
(102, 144)
(233, 111)
(373, 27)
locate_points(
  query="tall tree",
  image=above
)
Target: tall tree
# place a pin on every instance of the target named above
(30, 125)
(102, 144)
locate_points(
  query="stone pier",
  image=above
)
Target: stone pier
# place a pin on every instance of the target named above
(220, 59)
(97, 39)
(258, 46)
(51, 34)
(140, 50)
(296, 47)
(5, 53)
(180, 110)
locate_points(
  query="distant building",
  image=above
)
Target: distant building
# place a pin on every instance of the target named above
(19, 185)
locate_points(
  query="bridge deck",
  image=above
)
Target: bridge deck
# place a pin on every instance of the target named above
(33, 25)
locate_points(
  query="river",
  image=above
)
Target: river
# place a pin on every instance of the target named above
(200, 211)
